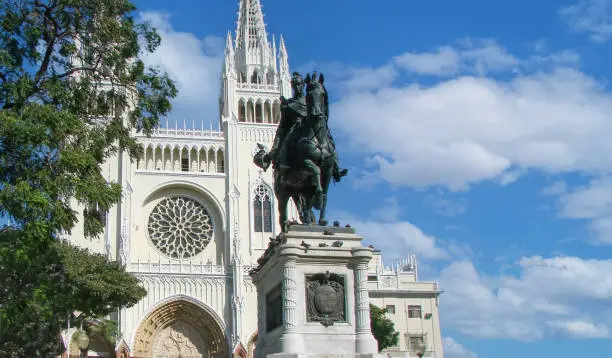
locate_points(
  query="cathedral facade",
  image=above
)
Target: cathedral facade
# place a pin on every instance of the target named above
(196, 215)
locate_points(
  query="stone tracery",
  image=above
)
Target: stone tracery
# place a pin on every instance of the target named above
(180, 227)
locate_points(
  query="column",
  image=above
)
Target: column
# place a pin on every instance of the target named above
(289, 296)
(291, 341)
(365, 342)
(261, 320)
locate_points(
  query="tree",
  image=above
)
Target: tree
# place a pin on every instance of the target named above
(42, 291)
(72, 93)
(383, 328)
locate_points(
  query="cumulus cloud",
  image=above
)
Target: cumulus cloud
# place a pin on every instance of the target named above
(453, 349)
(468, 129)
(546, 297)
(194, 64)
(590, 16)
(594, 202)
(481, 56)
(397, 238)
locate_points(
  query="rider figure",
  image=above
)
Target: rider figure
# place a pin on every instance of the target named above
(293, 111)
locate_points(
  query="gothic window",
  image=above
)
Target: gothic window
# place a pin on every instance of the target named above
(259, 113)
(262, 209)
(256, 78)
(241, 111)
(185, 164)
(180, 227)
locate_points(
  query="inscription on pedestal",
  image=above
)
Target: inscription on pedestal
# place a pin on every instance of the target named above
(325, 298)
(274, 308)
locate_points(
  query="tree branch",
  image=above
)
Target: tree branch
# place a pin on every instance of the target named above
(50, 37)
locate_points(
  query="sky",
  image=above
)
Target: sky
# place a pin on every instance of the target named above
(478, 135)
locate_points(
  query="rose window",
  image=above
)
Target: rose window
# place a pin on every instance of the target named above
(180, 227)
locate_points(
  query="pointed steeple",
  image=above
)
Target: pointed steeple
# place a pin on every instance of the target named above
(284, 75)
(229, 65)
(283, 58)
(274, 52)
(251, 31)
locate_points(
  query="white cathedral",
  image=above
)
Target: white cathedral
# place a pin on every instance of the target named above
(196, 215)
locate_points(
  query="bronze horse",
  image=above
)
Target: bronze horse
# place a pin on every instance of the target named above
(312, 158)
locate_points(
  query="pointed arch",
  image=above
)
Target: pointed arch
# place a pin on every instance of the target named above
(259, 111)
(262, 208)
(205, 326)
(250, 110)
(242, 110)
(220, 161)
(256, 77)
(203, 155)
(268, 111)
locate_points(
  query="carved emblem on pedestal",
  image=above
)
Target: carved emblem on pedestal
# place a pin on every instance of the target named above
(325, 295)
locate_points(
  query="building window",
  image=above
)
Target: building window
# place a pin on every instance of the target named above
(241, 111)
(185, 164)
(414, 312)
(372, 278)
(262, 209)
(180, 227)
(413, 342)
(390, 309)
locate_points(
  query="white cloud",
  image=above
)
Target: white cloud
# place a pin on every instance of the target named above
(590, 16)
(475, 56)
(399, 238)
(394, 237)
(546, 297)
(556, 188)
(194, 64)
(453, 349)
(469, 129)
(443, 61)
(479, 57)
(580, 329)
(593, 202)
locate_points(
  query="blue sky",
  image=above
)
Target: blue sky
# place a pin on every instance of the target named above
(478, 135)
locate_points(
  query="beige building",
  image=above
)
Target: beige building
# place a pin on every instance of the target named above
(197, 213)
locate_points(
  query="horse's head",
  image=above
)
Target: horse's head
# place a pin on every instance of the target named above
(316, 95)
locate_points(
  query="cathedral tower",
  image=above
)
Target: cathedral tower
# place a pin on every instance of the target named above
(254, 77)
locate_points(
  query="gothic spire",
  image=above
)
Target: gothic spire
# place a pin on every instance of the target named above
(251, 31)
(283, 58)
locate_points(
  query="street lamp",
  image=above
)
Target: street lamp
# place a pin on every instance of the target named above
(419, 349)
(83, 343)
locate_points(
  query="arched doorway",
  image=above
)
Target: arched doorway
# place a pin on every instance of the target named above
(180, 328)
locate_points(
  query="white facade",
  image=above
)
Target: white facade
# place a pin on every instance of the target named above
(196, 276)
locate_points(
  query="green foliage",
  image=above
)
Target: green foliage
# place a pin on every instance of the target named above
(383, 328)
(72, 94)
(42, 290)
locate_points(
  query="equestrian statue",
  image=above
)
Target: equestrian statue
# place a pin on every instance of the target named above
(303, 154)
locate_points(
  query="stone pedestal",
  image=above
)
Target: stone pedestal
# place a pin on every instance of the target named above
(313, 297)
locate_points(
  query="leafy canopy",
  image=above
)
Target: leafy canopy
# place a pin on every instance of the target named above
(383, 328)
(73, 91)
